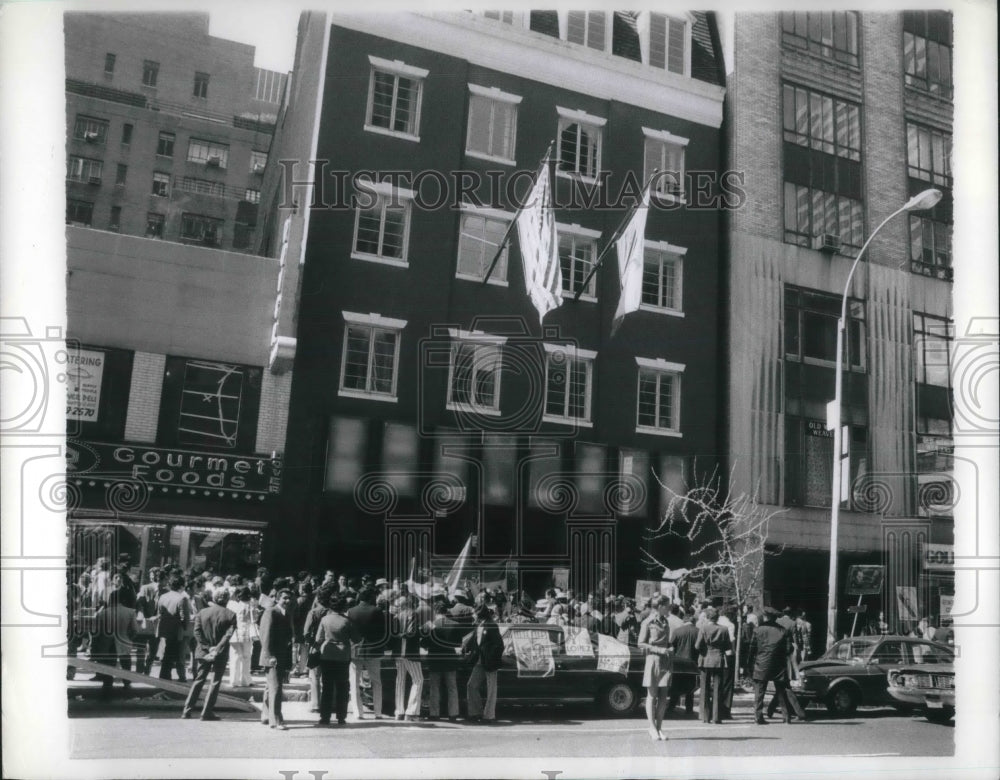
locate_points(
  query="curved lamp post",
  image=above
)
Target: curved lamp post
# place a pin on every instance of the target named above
(924, 200)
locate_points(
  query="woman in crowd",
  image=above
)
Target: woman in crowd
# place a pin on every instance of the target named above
(243, 638)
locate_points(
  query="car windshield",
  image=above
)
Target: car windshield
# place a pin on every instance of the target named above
(849, 650)
(929, 654)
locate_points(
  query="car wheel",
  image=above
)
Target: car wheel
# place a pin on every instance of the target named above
(842, 700)
(618, 700)
(942, 715)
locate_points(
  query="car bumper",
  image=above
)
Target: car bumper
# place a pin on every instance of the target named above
(921, 697)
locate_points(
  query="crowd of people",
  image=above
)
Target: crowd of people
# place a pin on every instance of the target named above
(336, 631)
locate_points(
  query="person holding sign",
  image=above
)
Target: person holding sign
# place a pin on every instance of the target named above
(654, 641)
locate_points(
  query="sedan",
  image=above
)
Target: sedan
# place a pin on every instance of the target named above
(927, 687)
(853, 672)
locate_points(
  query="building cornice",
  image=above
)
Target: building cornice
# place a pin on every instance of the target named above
(539, 57)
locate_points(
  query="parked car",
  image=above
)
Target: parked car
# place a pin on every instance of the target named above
(927, 687)
(854, 672)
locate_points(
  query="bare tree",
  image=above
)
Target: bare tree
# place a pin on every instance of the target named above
(727, 534)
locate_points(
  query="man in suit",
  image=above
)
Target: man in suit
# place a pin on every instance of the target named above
(373, 624)
(685, 665)
(334, 637)
(406, 635)
(145, 605)
(711, 644)
(213, 628)
(276, 636)
(770, 649)
(786, 623)
(442, 637)
(174, 611)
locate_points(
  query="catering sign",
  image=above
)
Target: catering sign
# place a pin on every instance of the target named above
(84, 375)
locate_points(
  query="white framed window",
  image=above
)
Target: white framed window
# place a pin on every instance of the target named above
(369, 366)
(658, 399)
(91, 130)
(579, 144)
(84, 169)
(589, 28)
(480, 233)
(569, 379)
(474, 372)
(382, 224)
(394, 96)
(208, 153)
(161, 184)
(577, 255)
(492, 130)
(662, 278)
(664, 152)
(666, 41)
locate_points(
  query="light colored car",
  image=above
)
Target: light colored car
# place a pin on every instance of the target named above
(929, 688)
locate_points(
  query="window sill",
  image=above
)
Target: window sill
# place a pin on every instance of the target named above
(575, 176)
(392, 133)
(343, 393)
(492, 280)
(574, 422)
(660, 310)
(489, 157)
(658, 431)
(377, 259)
(468, 409)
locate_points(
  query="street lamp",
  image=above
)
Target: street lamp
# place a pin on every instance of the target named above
(924, 200)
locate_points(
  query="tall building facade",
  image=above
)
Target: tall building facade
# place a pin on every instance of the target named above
(177, 392)
(168, 128)
(429, 403)
(836, 120)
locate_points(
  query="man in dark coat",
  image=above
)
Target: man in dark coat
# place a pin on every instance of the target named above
(784, 621)
(685, 665)
(173, 609)
(442, 637)
(712, 643)
(335, 635)
(276, 634)
(770, 648)
(213, 628)
(373, 625)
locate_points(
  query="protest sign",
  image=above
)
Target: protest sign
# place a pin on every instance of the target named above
(533, 651)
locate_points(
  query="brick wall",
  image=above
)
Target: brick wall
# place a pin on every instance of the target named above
(272, 420)
(144, 397)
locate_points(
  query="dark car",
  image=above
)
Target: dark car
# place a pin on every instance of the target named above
(854, 672)
(926, 687)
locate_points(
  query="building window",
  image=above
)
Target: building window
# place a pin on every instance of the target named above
(833, 35)
(165, 145)
(569, 376)
(121, 174)
(927, 51)
(394, 95)
(935, 459)
(201, 85)
(212, 400)
(369, 366)
(202, 186)
(809, 461)
(930, 242)
(492, 132)
(196, 228)
(662, 277)
(822, 122)
(154, 225)
(811, 329)
(811, 213)
(115, 221)
(109, 63)
(664, 152)
(93, 131)
(79, 212)
(161, 184)
(258, 162)
(932, 337)
(84, 169)
(506, 17)
(242, 235)
(251, 195)
(381, 228)
(150, 72)
(126, 134)
(579, 151)
(928, 154)
(345, 454)
(208, 153)
(668, 43)
(658, 404)
(589, 28)
(577, 254)
(474, 373)
(479, 236)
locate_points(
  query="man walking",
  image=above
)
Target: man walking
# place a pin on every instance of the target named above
(145, 605)
(770, 648)
(174, 611)
(213, 628)
(784, 621)
(276, 636)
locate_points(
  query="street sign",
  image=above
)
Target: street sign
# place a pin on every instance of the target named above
(858, 608)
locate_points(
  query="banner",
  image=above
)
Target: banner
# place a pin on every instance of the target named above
(578, 642)
(533, 651)
(906, 600)
(631, 249)
(612, 655)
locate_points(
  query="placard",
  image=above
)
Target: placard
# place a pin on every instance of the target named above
(906, 600)
(84, 375)
(533, 650)
(865, 580)
(560, 578)
(646, 589)
(612, 655)
(947, 602)
(578, 642)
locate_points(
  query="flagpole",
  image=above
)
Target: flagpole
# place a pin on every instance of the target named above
(513, 222)
(614, 237)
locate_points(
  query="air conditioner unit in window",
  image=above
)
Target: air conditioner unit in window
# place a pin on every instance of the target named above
(94, 180)
(91, 135)
(827, 242)
(214, 161)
